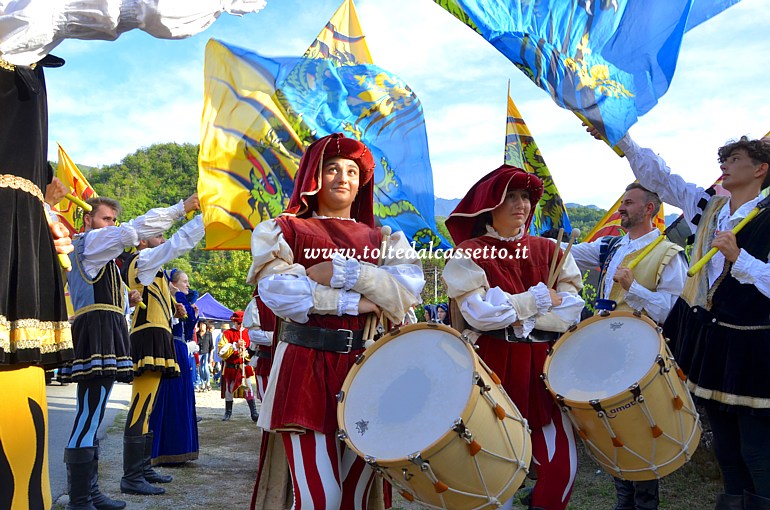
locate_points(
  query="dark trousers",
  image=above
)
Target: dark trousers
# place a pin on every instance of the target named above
(742, 448)
(636, 495)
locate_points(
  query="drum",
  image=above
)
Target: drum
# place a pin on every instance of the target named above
(425, 412)
(625, 395)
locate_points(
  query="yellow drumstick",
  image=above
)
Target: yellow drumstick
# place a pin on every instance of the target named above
(141, 305)
(695, 268)
(78, 202)
(646, 251)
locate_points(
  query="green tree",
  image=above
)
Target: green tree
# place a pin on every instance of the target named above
(585, 218)
(223, 275)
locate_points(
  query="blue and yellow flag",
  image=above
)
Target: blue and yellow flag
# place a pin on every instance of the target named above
(261, 113)
(607, 60)
(521, 151)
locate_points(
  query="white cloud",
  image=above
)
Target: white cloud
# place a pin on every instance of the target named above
(113, 98)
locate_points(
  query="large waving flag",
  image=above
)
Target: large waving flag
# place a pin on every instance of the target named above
(68, 173)
(609, 225)
(261, 113)
(607, 60)
(521, 151)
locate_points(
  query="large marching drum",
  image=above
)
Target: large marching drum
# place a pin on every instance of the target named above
(425, 412)
(617, 381)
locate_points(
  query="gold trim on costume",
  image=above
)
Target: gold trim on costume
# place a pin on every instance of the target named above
(16, 182)
(47, 336)
(728, 398)
(4, 64)
(98, 306)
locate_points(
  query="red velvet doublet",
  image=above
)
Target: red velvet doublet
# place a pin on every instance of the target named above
(309, 379)
(519, 365)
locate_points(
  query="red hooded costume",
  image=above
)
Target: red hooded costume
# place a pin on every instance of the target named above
(519, 364)
(309, 379)
(467, 225)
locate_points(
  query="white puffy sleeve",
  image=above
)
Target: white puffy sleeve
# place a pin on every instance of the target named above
(29, 30)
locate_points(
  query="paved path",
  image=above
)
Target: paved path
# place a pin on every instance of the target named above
(61, 414)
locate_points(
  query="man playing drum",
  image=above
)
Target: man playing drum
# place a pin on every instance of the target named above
(719, 328)
(496, 279)
(316, 268)
(651, 288)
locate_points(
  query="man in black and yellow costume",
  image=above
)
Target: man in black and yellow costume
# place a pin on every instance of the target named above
(652, 288)
(34, 331)
(100, 333)
(152, 348)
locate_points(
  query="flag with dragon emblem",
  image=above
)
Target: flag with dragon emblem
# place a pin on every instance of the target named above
(521, 151)
(70, 175)
(261, 113)
(607, 60)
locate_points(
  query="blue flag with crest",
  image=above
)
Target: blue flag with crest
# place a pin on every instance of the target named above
(607, 60)
(261, 113)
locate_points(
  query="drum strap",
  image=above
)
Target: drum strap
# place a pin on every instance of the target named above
(507, 334)
(335, 340)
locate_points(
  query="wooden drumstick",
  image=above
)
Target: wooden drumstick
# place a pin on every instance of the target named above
(370, 327)
(573, 235)
(553, 260)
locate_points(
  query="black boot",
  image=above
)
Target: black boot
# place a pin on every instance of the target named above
(101, 501)
(80, 464)
(253, 409)
(729, 502)
(133, 481)
(150, 474)
(228, 410)
(624, 494)
(754, 502)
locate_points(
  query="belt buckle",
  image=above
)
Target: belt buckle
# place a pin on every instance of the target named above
(508, 336)
(350, 340)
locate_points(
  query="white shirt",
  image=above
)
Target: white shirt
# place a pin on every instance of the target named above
(488, 308)
(286, 289)
(657, 303)
(653, 173)
(105, 244)
(31, 29)
(151, 260)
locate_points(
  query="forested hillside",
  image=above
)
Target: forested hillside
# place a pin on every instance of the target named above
(163, 174)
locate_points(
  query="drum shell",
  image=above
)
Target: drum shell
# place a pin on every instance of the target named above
(449, 457)
(642, 456)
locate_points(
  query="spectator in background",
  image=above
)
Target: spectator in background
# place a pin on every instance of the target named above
(206, 344)
(442, 314)
(174, 420)
(216, 365)
(430, 312)
(238, 376)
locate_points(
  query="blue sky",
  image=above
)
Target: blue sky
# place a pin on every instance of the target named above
(112, 98)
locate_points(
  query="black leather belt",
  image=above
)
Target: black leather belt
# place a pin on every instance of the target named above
(232, 365)
(335, 340)
(263, 354)
(535, 337)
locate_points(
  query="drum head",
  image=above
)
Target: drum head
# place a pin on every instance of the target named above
(603, 357)
(407, 395)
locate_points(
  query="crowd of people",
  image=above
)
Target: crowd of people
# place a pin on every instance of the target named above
(305, 327)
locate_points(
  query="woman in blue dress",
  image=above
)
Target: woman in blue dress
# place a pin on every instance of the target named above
(173, 420)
